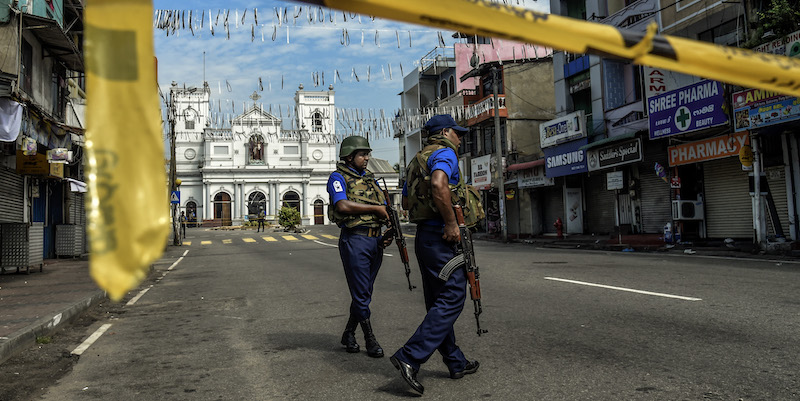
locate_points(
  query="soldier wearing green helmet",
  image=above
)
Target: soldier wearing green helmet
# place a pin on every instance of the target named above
(357, 205)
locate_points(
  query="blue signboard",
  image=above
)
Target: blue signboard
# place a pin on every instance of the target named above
(565, 159)
(175, 197)
(691, 108)
(756, 108)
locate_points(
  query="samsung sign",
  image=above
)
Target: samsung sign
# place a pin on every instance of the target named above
(563, 129)
(566, 159)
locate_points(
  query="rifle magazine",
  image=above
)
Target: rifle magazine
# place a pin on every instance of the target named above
(451, 265)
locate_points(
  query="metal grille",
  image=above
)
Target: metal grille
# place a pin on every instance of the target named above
(15, 252)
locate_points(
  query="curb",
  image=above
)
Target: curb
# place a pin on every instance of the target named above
(45, 326)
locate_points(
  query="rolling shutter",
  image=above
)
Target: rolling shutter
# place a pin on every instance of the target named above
(600, 214)
(12, 200)
(553, 205)
(653, 191)
(728, 206)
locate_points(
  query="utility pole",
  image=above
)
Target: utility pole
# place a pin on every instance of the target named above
(498, 140)
(171, 114)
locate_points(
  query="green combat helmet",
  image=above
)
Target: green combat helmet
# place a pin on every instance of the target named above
(352, 144)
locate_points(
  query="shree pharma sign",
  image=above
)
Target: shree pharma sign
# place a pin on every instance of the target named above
(691, 108)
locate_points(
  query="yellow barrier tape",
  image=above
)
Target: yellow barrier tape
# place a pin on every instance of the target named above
(128, 204)
(481, 17)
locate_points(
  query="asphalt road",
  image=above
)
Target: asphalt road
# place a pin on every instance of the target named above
(244, 318)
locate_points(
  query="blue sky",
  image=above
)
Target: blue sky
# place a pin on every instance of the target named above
(313, 49)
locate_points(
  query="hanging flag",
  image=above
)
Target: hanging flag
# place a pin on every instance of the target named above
(127, 207)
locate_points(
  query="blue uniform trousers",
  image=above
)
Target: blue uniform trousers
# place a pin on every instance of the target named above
(443, 300)
(361, 257)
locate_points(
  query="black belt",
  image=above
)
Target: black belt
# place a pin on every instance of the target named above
(365, 231)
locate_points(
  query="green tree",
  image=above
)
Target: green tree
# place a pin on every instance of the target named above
(289, 217)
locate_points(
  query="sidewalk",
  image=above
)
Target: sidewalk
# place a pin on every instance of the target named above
(34, 305)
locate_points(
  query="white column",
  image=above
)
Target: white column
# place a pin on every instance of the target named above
(206, 202)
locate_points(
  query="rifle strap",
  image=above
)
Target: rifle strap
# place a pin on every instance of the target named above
(451, 265)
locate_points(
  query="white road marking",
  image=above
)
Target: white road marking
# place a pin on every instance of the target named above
(658, 294)
(142, 292)
(139, 295)
(89, 341)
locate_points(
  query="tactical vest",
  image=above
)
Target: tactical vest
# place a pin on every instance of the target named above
(420, 193)
(361, 189)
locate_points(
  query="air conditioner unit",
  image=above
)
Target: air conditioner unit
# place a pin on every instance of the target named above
(687, 210)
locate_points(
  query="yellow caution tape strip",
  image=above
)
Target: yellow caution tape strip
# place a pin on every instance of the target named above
(481, 17)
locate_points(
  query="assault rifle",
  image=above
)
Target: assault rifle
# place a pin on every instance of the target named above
(394, 221)
(473, 277)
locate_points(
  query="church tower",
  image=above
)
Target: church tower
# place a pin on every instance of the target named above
(192, 113)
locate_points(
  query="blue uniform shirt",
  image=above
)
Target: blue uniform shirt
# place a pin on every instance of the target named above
(447, 161)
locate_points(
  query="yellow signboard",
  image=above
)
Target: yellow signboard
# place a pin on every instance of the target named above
(484, 18)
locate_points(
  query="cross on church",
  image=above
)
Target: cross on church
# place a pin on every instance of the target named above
(255, 96)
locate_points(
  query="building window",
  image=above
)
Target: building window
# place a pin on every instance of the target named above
(452, 85)
(623, 83)
(727, 34)
(27, 67)
(291, 150)
(443, 89)
(188, 124)
(316, 122)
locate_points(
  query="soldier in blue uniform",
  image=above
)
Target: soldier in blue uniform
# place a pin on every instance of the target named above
(433, 183)
(357, 205)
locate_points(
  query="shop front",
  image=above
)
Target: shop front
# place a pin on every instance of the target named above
(568, 160)
(612, 181)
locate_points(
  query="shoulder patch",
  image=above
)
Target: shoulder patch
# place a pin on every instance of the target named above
(337, 186)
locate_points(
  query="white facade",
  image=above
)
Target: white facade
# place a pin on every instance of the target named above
(230, 174)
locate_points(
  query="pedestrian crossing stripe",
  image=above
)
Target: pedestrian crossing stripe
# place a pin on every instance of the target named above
(227, 241)
(248, 240)
(269, 239)
(328, 236)
(187, 243)
(205, 243)
(307, 236)
(289, 238)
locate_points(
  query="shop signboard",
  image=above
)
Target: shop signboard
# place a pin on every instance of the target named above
(755, 108)
(615, 180)
(533, 178)
(614, 155)
(38, 165)
(563, 129)
(481, 177)
(565, 159)
(691, 108)
(708, 149)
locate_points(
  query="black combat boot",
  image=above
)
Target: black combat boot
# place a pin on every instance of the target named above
(373, 348)
(349, 335)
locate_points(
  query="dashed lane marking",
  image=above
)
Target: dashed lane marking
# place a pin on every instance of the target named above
(205, 242)
(227, 241)
(187, 243)
(658, 294)
(328, 236)
(89, 341)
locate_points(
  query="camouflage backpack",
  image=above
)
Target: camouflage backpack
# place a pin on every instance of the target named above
(420, 194)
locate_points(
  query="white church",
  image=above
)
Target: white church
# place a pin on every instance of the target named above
(229, 174)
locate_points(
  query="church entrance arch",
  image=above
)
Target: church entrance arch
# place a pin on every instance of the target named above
(191, 213)
(222, 208)
(292, 199)
(256, 202)
(319, 212)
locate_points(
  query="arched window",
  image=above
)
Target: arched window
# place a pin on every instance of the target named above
(256, 202)
(452, 85)
(255, 154)
(316, 122)
(292, 199)
(443, 90)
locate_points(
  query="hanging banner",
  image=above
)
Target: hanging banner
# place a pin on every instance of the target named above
(481, 177)
(755, 108)
(691, 108)
(127, 207)
(708, 149)
(486, 18)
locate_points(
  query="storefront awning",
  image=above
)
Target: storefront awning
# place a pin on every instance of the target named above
(526, 165)
(607, 141)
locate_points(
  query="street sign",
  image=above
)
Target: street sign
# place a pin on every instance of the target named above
(175, 198)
